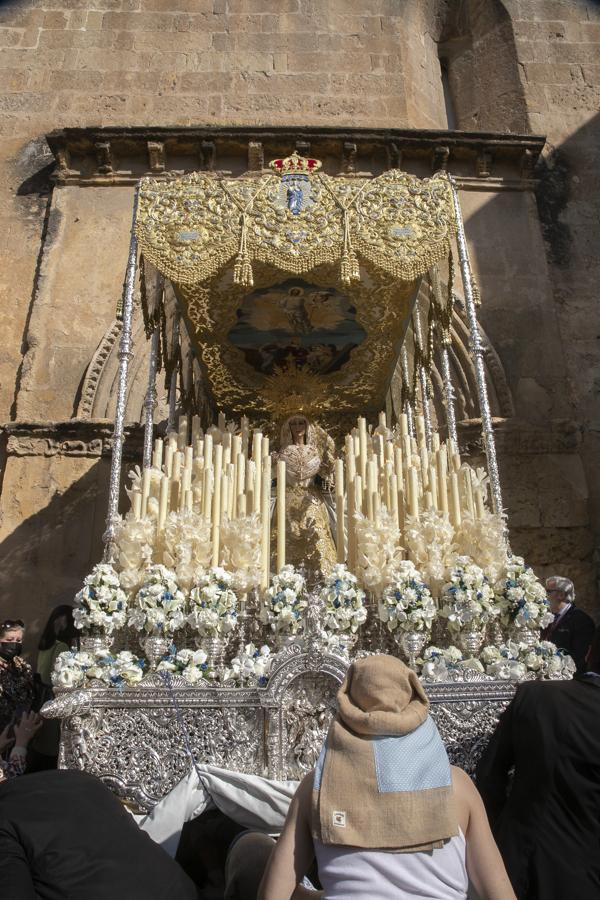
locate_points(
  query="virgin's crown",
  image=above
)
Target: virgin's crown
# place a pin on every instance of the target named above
(295, 165)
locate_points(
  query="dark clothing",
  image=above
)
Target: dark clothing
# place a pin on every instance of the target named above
(548, 828)
(573, 633)
(64, 834)
(16, 690)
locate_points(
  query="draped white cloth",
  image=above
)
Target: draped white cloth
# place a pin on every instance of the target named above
(254, 802)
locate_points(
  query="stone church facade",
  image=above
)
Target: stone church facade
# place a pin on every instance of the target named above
(96, 93)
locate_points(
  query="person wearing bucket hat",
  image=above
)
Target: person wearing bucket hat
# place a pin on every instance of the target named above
(384, 812)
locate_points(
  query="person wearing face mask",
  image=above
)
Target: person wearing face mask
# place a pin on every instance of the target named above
(58, 636)
(16, 679)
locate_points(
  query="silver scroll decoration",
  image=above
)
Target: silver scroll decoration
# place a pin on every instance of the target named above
(125, 355)
(477, 354)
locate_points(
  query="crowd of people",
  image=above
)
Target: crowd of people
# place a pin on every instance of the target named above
(409, 826)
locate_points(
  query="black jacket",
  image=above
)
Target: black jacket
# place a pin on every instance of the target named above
(573, 634)
(548, 826)
(65, 836)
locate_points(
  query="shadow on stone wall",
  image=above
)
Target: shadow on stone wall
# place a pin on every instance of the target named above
(47, 555)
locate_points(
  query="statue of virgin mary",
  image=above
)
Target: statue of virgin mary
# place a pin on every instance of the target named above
(307, 451)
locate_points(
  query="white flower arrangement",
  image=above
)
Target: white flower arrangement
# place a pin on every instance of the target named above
(438, 662)
(191, 665)
(74, 669)
(240, 542)
(406, 603)
(514, 659)
(521, 597)
(468, 598)
(378, 550)
(159, 605)
(430, 544)
(251, 666)
(101, 603)
(484, 541)
(344, 601)
(213, 604)
(134, 540)
(285, 601)
(186, 545)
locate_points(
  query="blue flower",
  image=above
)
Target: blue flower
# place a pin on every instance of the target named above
(167, 595)
(262, 681)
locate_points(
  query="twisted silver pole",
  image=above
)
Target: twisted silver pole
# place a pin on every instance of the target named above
(487, 429)
(125, 355)
(423, 379)
(151, 399)
(449, 396)
(407, 407)
(172, 420)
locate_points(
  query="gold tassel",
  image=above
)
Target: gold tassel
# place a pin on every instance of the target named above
(349, 267)
(242, 269)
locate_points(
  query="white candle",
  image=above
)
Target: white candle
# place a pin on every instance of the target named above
(182, 432)
(403, 425)
(168, 466)
(177, 461)
(280, 515)
(146, 480)
(256, 458)
(136, 504)
(479, 504)
(455, 516)
(163, 501)
(339, 509)
(351, 529)
(394, 499)
(216, 506)
(208, 452)
(265, 509)
(207, 494)
(371, 487)
(362, 442)
(442, 472)
(157, 456)
(467, 490)
(420, 425)
(413, 493)
(433, 491)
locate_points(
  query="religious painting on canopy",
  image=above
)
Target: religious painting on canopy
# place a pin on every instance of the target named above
(297, 323)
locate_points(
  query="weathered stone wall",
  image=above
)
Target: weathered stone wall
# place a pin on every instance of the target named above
(521, 65)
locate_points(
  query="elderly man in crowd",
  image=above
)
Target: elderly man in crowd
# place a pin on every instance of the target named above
(572, 629)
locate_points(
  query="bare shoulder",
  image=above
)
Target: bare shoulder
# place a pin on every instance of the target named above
(460, 780)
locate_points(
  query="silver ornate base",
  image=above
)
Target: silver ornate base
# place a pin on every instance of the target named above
(133, 739)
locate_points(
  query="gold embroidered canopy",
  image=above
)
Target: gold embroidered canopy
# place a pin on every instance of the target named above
(296, 287)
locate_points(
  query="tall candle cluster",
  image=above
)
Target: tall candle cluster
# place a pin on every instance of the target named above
(222, 474)
(400, 473)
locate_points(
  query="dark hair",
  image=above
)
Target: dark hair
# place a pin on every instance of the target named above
(49, 635)
(593, 660)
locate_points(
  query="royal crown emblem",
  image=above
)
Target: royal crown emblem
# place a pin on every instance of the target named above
(295, 172)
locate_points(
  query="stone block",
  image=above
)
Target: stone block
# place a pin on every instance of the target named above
(137, 21)
(9, 37)
(177, 40)
(547, 73)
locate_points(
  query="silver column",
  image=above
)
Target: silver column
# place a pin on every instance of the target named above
(407, 407)
(449, 396)
(423, 378)
(125, 355)
(151, 398)
(477, 354)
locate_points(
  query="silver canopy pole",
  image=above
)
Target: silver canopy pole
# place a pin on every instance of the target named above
(477, 354)
(125, 355)
(410, 419)
(151, 398)
(423, 379)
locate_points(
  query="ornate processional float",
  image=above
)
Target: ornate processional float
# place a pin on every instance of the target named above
(305, 503)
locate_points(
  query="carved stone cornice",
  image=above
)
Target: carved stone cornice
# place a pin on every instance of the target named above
(122, 155)
(75, 437)
(515, 438)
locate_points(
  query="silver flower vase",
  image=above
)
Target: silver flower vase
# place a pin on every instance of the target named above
(524, 635)
(411, 643)
(94, 640)
(156, 645)
(214, 647)
(470, 639)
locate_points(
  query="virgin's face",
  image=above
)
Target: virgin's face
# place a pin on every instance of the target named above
(298, 427)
